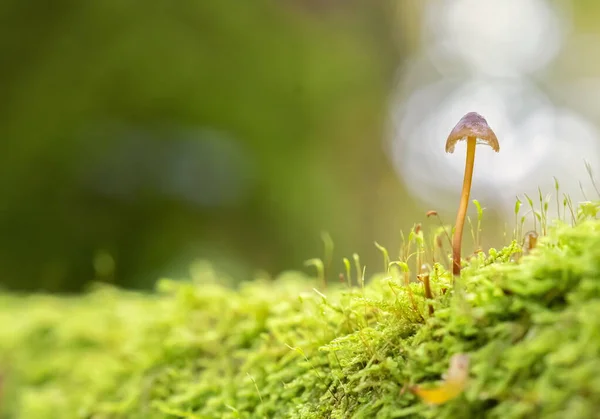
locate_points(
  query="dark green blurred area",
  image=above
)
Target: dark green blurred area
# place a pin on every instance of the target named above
(140, 136)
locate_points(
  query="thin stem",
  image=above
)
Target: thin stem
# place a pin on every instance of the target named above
(464, 203)
(428, 293)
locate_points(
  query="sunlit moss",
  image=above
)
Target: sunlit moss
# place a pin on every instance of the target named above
(285, 349)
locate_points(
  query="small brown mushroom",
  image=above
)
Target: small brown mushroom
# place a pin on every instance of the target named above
(471, 127)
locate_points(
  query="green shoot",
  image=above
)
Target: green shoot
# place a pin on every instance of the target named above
(257, 391)
(328, 250)
(386, 256)
(568, 203)
(588, 169)
(348, 272)
(420, 245)
(582, 191)
(320, 267)
(530, 201)
(359, 270)
(517, 209)
(472, 228)
(443, 227)
(479, 221)
(557, 189)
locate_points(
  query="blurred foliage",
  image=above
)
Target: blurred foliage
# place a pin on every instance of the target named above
(139, 136)
(200, 350)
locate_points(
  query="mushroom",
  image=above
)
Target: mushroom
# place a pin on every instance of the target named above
(471, 127)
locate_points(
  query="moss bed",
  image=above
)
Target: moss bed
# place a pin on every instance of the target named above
(289, 349)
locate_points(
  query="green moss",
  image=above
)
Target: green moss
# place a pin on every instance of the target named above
(199, 350)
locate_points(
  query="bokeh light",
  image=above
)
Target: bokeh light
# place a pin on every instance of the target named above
(492, 57)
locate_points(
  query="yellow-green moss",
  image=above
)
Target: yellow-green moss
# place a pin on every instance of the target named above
(283, 350)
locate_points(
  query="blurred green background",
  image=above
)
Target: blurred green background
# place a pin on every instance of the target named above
(138, 137)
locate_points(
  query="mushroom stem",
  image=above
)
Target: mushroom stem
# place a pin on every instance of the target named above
(464, 203)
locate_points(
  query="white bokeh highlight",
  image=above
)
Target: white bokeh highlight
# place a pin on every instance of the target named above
(495, 37)
(482, 56)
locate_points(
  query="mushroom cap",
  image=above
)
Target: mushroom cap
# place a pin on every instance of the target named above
(472, 125)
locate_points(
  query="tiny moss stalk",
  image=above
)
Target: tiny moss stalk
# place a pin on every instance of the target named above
(462, 208)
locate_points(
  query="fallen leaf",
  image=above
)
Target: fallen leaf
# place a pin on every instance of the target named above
(454, 383)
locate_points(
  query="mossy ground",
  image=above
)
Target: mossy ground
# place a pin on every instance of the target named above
(282, 349)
